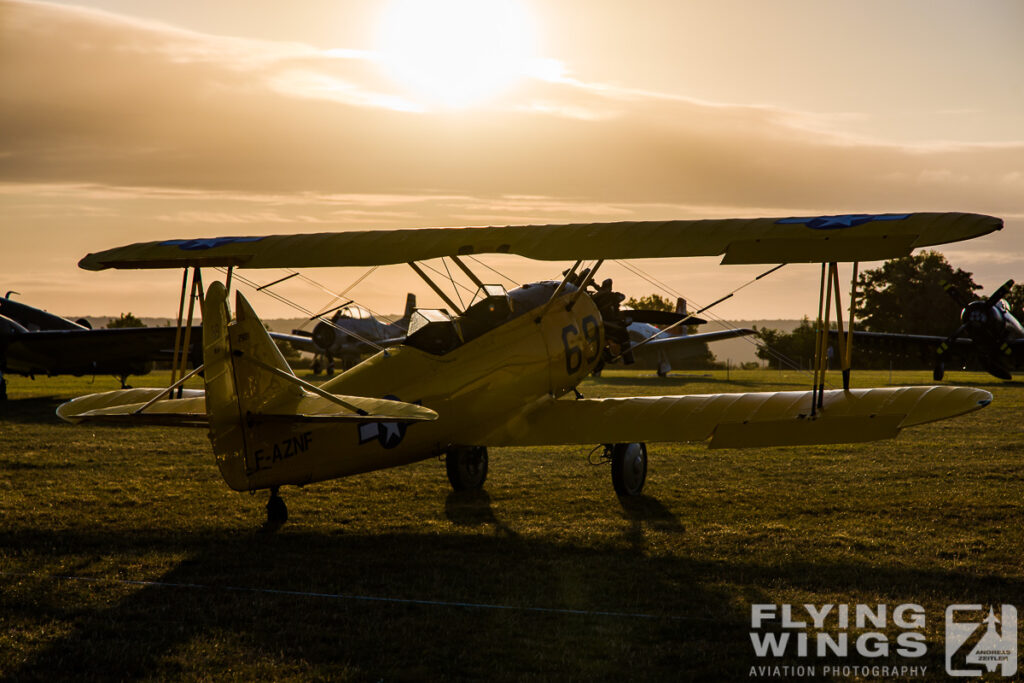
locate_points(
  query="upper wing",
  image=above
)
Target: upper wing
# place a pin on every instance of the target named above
(738, 420)
(668, 342)
(860, 237)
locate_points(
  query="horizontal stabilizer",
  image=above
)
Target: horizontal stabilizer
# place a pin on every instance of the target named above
(130, 406)
(780, 418)
(313, 408)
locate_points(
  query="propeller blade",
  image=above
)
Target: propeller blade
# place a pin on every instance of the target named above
(1000, 293)
(661, 317)
(940, 353)
(954, 294)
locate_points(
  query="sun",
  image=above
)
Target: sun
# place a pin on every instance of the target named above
(456, 53)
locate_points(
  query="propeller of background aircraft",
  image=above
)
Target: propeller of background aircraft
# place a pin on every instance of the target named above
(984, 323)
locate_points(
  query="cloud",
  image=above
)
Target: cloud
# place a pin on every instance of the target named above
(88, 97)
(115, 130)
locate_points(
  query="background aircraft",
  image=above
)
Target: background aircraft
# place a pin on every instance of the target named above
(988, 333)
(492, 374)
(34, 342)
(675, 344)
(351, 333)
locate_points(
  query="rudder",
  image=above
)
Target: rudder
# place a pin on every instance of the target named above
(236, 355)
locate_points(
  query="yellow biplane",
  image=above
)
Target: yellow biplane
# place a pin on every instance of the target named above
(502, 372)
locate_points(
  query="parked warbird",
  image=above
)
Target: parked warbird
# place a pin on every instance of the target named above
(988, 332)
(493, 374)
(350, 334)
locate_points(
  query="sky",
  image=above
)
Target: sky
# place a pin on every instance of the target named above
(136, 120)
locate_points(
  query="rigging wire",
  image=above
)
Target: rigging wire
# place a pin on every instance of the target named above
(757, 343)
(438, 273)
(302, 309)
(462, 304)
(337, 295)
(499, 273)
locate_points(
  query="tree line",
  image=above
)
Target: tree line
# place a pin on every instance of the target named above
(903, 296)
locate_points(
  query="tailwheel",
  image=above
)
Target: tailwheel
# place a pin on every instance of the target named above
(467, 467)
(629, 467)
(277, 511)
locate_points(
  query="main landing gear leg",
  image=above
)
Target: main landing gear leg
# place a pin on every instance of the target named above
(277, 511)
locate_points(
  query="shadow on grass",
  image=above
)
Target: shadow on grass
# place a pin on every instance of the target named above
(415, 606)
(406, 606)
(643, 512)
(40, 410)
(473, 508)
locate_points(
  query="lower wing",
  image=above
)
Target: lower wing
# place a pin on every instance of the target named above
(738, 420)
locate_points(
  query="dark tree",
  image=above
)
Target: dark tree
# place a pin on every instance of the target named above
(796, 347)
(653, 302)
(126, 320)
(906, 295)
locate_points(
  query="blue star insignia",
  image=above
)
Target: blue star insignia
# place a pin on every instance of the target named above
(207, 242)
(841, 222)
(389, 434)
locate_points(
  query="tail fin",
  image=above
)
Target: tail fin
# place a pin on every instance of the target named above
(683, 330)
(236, 390)
(410, 306)
(255, 403)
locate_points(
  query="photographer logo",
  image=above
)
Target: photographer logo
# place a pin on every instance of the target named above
(978, 643)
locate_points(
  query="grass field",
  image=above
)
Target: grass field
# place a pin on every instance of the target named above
(124, 556)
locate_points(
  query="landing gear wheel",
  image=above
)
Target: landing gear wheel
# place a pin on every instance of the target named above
(629, 467)
(467, 467)
(277, 511)
(939, 371)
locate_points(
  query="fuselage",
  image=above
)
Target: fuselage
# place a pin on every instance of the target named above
(489, 380)
(991, 324)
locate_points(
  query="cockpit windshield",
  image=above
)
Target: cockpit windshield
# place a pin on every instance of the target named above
(436, 332)
(353, 313)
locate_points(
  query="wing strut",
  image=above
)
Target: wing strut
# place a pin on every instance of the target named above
(437, 290)
(590, 273)
(830, 284)
(821, 347)
(849, 334)
(182, 336)
(569, 274)
(465, 269)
